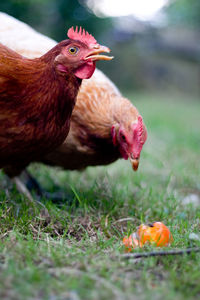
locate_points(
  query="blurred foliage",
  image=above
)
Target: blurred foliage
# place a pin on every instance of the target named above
(185, 12)
(53, 18)
(146, 57)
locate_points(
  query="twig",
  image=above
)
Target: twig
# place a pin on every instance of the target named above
(160, 253)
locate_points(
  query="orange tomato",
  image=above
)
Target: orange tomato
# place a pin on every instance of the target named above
(156, 234)
(130, 242)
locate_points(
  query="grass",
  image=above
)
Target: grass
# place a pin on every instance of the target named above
(70, 250)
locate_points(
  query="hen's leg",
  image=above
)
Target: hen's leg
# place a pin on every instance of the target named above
(22, 188)
(13, 171)
(33, 185)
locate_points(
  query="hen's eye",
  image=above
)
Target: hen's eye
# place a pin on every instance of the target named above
(123, 137)
(73, 50)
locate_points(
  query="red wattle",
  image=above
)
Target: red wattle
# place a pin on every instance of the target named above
(85, 71)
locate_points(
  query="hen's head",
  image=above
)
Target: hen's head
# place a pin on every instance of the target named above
(79, 54)
(130, 138)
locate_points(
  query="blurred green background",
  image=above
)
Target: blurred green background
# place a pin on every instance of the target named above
(158, 52)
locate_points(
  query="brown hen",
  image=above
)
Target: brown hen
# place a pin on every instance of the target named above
(37, 97)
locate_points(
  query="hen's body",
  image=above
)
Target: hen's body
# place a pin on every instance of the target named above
(33, 120)
(89, 142)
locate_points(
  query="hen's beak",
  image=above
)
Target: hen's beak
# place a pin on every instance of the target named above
(135, 163)
(95, 54)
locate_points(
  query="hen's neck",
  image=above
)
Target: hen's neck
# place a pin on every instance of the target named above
(59, 93)
(51, 95)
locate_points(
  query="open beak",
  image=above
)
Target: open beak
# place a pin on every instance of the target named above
(135, 163)
(95, 54)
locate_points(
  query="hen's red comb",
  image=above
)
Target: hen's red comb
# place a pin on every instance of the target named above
(139, 137)
(140, 125)
(81, 35)
(138, 129)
